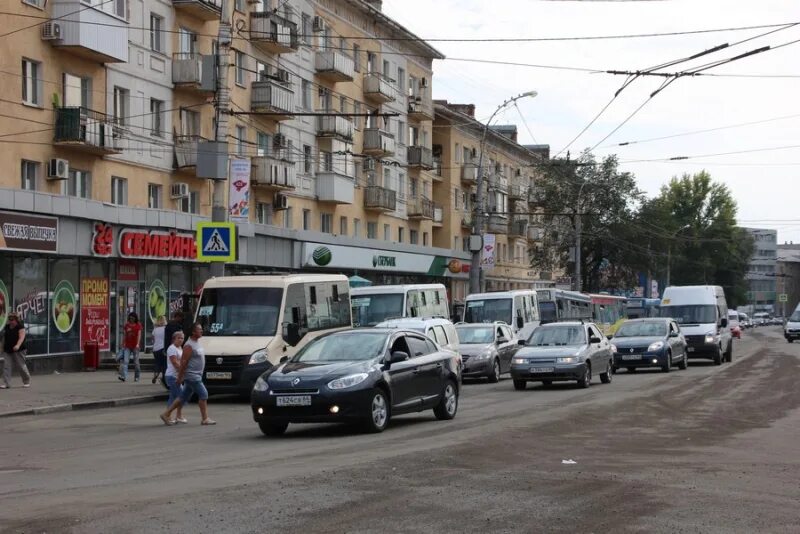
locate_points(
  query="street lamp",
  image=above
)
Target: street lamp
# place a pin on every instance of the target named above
(475, 273)
(669, 249)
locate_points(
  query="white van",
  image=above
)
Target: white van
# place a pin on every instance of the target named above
(441, 330)
(250, 323)
(376, 304)
(702, 313)
(791, 330)
(518, 308)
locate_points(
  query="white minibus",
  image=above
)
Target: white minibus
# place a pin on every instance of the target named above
(518, 309)
(376, 304)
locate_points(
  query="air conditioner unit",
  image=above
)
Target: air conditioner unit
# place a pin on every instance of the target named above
(281, 202)
(58, 169)
(319, 24)
(279, 141)
(180, 190)
(283, 75)
(51, 31)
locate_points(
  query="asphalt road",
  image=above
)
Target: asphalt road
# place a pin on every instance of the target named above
(710, 449)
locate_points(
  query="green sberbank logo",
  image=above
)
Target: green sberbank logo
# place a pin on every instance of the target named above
(384, 261)
(322, 256)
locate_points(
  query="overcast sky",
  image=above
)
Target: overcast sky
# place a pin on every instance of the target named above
(764, 183)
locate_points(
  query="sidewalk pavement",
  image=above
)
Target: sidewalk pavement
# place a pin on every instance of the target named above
(77, 391)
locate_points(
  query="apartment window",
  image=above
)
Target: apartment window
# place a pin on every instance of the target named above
(413, 237)
(154, 195)
(29, 174)
(78, 184)
(413, 189)
(239, 62)
(262, 144)
(387, 178)
(401, 185)
(305, 28)
(401, 132)
(458, 153)
(456, 199)
(190, 122)
(357, 112)
(35, 3)
(287, 217)
(306, 94)
(241, 138)
(326, 223)
(156, 33)
(241, 5)
(356, 227)
(187, 42)
(387, 232)
(263, 213)
(357, 58)
(31, 82)
(343, 226)
(119, 191)
(371, 60)
(424, 239)
(191, 204)
(156, 109)
(77, 90)
(306, 219)
(455, 242)
(122, 105)
(372, 230)
(401, 79)
(401, 234)
(387, 69)
(307, 159)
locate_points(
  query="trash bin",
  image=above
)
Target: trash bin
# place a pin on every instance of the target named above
(91, 356)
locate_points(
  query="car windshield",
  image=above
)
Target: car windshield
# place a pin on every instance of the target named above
(240, 311)
(369, 310)
(344, 347)
(705, 313)
(795, 318)
(475, 334)
(557, 336)
(488, 311)
(642, 329)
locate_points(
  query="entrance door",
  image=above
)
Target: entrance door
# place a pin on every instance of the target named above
(130, 298)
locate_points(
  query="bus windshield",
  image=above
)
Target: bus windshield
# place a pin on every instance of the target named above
(488, 311)
(697, 314)
(240, 311)
(369, 310)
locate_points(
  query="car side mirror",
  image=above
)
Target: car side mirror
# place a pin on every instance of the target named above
(501, 340)
(520, 322)
(521, 342)
(291, 334)
(284, 359)
(723, 323)
(674, 334)
(610, 336)
(398, 356)
(594, 339)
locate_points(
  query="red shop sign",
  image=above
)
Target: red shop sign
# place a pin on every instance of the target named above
(127, 270)
(145, 244)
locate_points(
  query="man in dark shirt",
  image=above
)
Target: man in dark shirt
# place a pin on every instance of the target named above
(14, 351)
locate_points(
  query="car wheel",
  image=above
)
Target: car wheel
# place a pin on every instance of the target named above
(378, 412)
(586, 380)
(729, 353)
(272, 429)
(718, 356)
(790, 340)
(684, 363)
(519, 385)
(494, 376)
(448, 405)
(605, 378)
(667, 367)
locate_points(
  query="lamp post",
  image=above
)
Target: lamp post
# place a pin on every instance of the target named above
(476, 276)
(669, 250)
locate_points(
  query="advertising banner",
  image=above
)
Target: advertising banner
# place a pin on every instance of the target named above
(319, 255)
(487, 256)
(95, 323)
(28, 232)
(239, 195)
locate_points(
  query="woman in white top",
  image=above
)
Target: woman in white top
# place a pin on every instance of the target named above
(174, 354)
(158, 348)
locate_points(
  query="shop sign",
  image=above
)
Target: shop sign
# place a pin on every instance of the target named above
(94, 312)
(341, 257)
(64, 306)
(143, 244)
(128, 271)
(28, 232)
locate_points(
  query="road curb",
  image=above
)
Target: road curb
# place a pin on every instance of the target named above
(87, 405)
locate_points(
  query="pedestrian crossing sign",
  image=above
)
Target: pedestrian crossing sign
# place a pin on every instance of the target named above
(216, 241)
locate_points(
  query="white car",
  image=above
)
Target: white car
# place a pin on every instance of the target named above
(441, 330)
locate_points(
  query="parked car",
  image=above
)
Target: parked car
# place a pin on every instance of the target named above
(649, 343)
(364, 376)
(441, 330)
(558, 352)
(486, 349)
(791, 329)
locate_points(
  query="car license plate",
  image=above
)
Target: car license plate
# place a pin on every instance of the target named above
(631, 357)
(218, 376)
(689, 349)
(542, 369)
(294, 400)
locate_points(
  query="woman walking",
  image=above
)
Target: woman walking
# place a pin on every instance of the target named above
(159, 357)
(14, 351)
(190, 375)
(132, 334)
(174, 353)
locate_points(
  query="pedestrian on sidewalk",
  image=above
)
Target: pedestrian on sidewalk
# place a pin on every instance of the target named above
(190, 375)
(159, 357)
(174, 354)
(14, 351)
(132, 334)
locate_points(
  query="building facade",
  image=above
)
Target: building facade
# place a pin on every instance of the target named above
(788, 278)
(762, 271)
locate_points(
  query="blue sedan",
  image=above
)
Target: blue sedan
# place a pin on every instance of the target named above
(649, 343)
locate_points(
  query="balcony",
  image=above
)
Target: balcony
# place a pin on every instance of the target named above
(273, 98)
(186, 150)
(466, 221)
(517, 191)
(534, 234)
(420, 107)
(95, 33)
(518, 227)
(333, 126)
(87, 130)
(378, 89)
(273, 173)
(201, 9)
(378, 198)
(437, 170)
(498, 224)
(536, 196)
(194, 71)
(469, 173)
(334, 66)
(438, 215)
(378, 143)
(420, 209)
(272, 33)
(420, 156)
(335, 187)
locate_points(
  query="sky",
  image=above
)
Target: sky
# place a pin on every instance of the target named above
(763, 182)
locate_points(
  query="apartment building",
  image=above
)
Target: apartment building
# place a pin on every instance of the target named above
(762, 271)
(510, 171)
(108, 105)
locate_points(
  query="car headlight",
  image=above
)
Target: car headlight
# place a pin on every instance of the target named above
(347, 381)
(261, 385)
(567, 359)
(658, 345)
(519, 361)
(485, 355)
(259, 356)
(710, 338)
(614, 348)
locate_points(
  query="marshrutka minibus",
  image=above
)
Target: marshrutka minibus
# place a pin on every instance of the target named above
(376, 304)
(253, 322)
(518, 308)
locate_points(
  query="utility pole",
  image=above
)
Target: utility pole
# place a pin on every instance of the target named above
(222, 103)
(578, 231)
